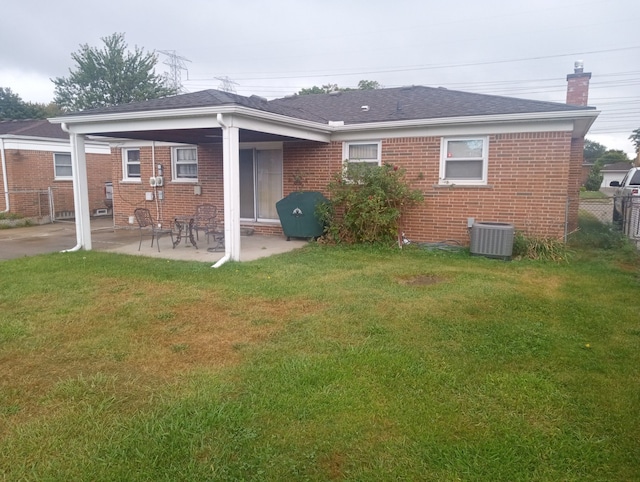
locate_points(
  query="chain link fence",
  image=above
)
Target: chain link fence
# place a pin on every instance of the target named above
(43, 205)
(622, 212)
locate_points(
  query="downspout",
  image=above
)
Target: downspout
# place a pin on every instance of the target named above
(4, 177)
(78, 245)
(227, 254)
(155, 188)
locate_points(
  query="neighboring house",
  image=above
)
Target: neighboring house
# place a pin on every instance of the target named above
(491, 158)
(36, 174)
(614, 172)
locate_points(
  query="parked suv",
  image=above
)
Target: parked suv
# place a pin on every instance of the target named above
(629, 186)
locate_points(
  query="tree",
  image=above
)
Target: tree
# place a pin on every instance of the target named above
(111, 76)
(612, 156)
(594, 180)
(13, 107)
(592, 151)
(325, 89)
(328, 88)
(635, 139)
(369, 85)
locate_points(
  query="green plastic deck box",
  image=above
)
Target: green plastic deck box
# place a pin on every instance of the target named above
(297, 214)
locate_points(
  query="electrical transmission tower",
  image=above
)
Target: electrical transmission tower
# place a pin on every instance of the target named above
(176, 65)
(227, 85)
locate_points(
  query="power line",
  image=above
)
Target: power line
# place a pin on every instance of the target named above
(308, 74)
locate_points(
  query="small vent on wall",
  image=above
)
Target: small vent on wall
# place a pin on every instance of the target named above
(493, 240)
(65, 214)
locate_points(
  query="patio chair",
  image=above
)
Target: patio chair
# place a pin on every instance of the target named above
(205, 216)
(215, 230)
(149, 227)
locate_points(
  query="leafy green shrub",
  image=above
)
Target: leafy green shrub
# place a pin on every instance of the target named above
(594, 180)
(540, 248)
(366, 204)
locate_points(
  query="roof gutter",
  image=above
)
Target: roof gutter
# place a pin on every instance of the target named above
(582, 115)
(5, 181)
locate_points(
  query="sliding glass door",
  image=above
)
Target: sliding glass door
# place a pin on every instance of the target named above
(260, 183)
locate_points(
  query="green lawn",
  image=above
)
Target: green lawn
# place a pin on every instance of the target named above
(593, 195)
(321, 364)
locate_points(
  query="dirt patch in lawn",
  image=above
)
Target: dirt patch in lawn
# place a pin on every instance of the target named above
(421, 280)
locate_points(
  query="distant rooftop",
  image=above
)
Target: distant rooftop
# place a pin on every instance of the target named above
(32, 128)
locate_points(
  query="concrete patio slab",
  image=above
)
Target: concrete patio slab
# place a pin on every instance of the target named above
(49, 238)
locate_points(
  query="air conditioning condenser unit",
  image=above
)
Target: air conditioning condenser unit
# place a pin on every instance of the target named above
(493, 240)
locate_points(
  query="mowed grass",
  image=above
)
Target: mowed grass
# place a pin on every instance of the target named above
(321, 364)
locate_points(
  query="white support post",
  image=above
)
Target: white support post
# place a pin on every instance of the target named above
(231, 174)
(80, 191)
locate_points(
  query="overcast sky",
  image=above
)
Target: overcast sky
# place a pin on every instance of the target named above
(273, 48)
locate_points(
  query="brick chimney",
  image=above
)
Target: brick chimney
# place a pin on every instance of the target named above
(578, 85)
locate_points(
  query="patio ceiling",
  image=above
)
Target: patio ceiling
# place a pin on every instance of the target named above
(196, 136)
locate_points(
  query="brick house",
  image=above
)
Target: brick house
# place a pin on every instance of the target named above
(486, 157)
(36, 170)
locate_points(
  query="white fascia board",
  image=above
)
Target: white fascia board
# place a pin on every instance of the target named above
(117, 117)
(52, 145)
(124, 125)
(289, 129)
(577, 122)
(201, 117)
(453, 130)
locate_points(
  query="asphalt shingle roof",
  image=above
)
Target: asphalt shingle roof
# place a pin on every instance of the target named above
(618, 166)
(382, 105)
(203, 98)
(32, 128)
(409, 103)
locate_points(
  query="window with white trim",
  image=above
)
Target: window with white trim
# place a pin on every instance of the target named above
(464, 161)
(362, 152)
(62, 165)
(131, 164)
(184, 162)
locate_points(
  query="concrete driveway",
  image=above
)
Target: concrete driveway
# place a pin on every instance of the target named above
(51, 238)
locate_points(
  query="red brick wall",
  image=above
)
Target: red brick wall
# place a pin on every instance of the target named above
(528, 183)
(179, 197)
(309, 166)
(29, 171)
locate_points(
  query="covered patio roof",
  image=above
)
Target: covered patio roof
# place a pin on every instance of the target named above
(227, 122)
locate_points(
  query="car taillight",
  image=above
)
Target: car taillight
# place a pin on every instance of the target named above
(634, 191)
